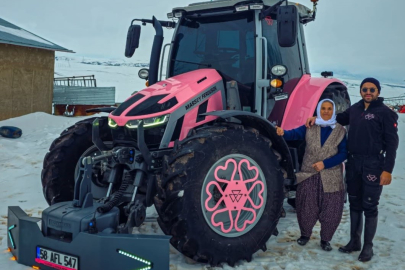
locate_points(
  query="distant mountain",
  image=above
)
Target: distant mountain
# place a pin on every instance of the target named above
(97, 62)
(344, 74)
(114, 64)
(123, 75)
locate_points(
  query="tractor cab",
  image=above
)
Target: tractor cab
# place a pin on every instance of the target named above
(258, 44)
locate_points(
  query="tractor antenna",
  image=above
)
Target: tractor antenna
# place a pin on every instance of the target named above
(314, 8)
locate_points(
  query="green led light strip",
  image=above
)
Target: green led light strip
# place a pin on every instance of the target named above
(132, 256)
(10, 236)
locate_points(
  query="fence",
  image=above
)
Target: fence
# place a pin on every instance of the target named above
(86, 81)
(396, 103)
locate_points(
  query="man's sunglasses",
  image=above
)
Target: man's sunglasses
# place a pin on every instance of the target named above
(372, 90)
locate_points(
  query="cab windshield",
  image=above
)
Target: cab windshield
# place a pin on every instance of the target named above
(225, 43)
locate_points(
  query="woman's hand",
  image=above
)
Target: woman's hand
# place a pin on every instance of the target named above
(319, 166)
(310, 122)
(280, 131)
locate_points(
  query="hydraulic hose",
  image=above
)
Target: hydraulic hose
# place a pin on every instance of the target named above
(116, 199)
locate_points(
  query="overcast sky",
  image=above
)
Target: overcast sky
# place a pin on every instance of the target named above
(365, 37)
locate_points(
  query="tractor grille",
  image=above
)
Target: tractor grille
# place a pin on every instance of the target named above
(153, 136)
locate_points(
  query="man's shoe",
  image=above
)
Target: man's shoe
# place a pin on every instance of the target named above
(366, 254)
(356, 227)
(369, 231)
(325, 245)
(303, 240)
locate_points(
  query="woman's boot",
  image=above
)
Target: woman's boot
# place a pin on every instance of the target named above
(369, 231)
(303, 240)
(356, 227)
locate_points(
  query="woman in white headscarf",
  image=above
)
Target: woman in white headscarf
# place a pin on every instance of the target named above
(320, 191)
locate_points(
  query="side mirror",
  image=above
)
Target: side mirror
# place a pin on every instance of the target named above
(287, 25)
(327, 74)
(134, 32)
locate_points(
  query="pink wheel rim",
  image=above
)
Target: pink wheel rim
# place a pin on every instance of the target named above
(234, 195)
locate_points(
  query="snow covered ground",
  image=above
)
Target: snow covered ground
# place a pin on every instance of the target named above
(20, 169)
(21, 165)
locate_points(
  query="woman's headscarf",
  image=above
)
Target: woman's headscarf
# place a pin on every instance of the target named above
(329, 123)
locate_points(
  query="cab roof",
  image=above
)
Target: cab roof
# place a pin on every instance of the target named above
(218, 4)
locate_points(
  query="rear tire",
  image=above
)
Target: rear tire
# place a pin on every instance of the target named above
(58, 173)
(185, 207)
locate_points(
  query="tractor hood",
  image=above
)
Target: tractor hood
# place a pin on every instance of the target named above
(165, 97)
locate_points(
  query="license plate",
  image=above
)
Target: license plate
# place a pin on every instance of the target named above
(56, 260)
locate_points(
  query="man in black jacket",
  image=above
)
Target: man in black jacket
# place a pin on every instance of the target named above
(372, 145)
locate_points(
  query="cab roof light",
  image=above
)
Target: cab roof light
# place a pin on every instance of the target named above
(242, 8)
(170, 15)
(256, 6)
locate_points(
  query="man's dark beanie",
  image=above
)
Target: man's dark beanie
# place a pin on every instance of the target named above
(371, 80)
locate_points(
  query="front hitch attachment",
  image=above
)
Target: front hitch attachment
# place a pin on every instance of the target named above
(82, 195)
(107, 251)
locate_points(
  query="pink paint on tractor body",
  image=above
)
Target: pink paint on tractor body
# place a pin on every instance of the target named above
(214, 104)
(303, 100)
(184, 87)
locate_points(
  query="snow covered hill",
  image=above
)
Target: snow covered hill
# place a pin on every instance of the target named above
(123, 75)
(108, 73)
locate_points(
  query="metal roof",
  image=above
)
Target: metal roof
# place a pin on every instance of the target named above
(12, 34)
(76, 95)
(303, 10)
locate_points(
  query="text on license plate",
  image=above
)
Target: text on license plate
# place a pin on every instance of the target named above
(56, 260)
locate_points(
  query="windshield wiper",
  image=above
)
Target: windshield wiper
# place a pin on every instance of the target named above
(193, 63)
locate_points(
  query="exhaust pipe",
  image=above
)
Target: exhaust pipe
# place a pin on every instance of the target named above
(156, 49)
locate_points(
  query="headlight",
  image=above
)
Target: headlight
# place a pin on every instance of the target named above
(143, 73)
(112, 123)
(279, 70)
(149, 122)
(178, 14)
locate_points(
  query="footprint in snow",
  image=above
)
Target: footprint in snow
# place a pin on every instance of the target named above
(399, 225)
(394, 203)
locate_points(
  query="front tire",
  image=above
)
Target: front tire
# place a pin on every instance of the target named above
(58, 173)
(213, 214)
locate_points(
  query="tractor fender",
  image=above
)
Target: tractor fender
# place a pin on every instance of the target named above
(304, 99)
(267, 129)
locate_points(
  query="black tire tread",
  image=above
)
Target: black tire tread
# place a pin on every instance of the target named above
(168, 203)
(59, 164)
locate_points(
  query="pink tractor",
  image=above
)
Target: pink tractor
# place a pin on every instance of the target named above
(199, 143)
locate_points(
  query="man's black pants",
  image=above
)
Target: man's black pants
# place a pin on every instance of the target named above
(363, 183)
